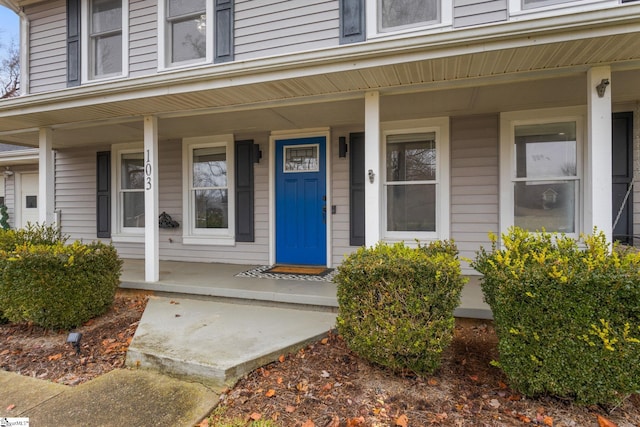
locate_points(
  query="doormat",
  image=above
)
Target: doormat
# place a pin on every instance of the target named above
(316, 274)
(296, 269)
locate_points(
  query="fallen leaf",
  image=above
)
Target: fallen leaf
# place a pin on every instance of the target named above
(515, 397)
(255, 416)
(524, 418)
(308, 423)
(281, 358)
(432, 381)
(355, 422)
(324, 341)
(270, 393)
(473, 377)
(303, 386)
(502, 385)
(327, 387)
(55, 357)
(548, 421)
(494, 403)
(3, 352)
(335, 422)
(290, 409)
(603, 422)
(279, 380)
(325, 374)
(11, 407)
(402, 421)
(204, 423)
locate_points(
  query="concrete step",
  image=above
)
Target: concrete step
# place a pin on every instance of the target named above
(217, 342)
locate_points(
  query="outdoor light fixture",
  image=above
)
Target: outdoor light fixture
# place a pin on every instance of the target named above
(257, 153)
(8, 172)
(74, 338)
(371, 176)
(602, 87)
(342, 147)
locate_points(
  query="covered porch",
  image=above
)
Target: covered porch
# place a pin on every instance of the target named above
(222, 280)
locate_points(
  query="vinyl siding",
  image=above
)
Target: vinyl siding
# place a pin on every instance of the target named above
(268, 27)
(143, 37)
(636, 168)
(477, 12)
(474, 182)
(47, 50)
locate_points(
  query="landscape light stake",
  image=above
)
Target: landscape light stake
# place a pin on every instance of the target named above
(74, 338)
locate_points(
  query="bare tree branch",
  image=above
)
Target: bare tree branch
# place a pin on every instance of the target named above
(10, 71)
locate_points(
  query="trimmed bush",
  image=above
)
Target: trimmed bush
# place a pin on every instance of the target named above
(567, 314)
(54, 285)
(396, 304)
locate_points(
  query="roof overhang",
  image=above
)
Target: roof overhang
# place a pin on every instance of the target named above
(476, 56)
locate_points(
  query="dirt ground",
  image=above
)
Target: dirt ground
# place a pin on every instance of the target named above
(323, 385)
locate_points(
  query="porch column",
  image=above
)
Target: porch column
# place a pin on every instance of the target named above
(46, 188)
(598, 203)
(151, 230)
(372, 167)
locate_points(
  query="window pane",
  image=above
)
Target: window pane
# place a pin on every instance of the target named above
(545, 204)
(211, 208)
(106, 15)
(107, 55)
(546, 150)
(210, 167)
(411, 157)
(185, 7)
(132, 171)
(399, 13)
(411, 207)
(133, 209)
(301, 158)
(188, 40)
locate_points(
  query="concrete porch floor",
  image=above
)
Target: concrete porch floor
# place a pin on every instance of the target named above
(220, 280)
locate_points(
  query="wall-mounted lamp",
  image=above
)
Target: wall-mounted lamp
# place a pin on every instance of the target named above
(257, 153)
(342, 147)
(74, 339)
(371, 176)
(8, 172)
(602, 87)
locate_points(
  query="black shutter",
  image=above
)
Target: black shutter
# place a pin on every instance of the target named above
(356, 189)
(103, 186)
(352, 21)
(224, 31)
(73, 43)
(244, 191)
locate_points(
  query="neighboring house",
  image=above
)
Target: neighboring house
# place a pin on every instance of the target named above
(295, 131)
(19, 184)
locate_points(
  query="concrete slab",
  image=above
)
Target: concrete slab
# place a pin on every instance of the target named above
(218, 342)
(20, 394)
(127, 398)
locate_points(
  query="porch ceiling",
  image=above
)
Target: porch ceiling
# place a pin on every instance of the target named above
(264, 101)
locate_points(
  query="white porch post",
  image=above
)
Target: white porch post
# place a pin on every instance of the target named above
(598, 203)
(372, 166)
(46, 188)
(151, 231)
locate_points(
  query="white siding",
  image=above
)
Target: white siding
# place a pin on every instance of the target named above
(143, 37)
(636, 171)
(268, 27)
(478, 12)
(474, 183)
(48, 46)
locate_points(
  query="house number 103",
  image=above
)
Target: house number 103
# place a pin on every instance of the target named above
(147, 172)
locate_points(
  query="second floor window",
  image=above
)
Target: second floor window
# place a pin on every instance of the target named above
(186, 22)
(399, 14)
(105, 49)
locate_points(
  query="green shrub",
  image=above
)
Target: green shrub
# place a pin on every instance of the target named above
(567, 314)
(396, 303)
(55, 285)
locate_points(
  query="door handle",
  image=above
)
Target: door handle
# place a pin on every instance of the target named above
(324, 214)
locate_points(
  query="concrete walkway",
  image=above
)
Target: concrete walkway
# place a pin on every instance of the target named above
(184, 350)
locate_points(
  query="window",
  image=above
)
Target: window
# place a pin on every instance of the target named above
(105, 39)
(543, 173)
(187, 28)
(209, 214)
(398, 14)
(128, 203)
(416, 181)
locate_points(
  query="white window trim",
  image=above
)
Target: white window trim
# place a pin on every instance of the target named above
(86, 45)
(121, 233)
(508, 122)
(164, 41)
(446, 20)
(440, 126)
(568, 6)
(191, 235)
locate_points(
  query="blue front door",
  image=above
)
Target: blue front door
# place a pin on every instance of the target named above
(301, 230)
